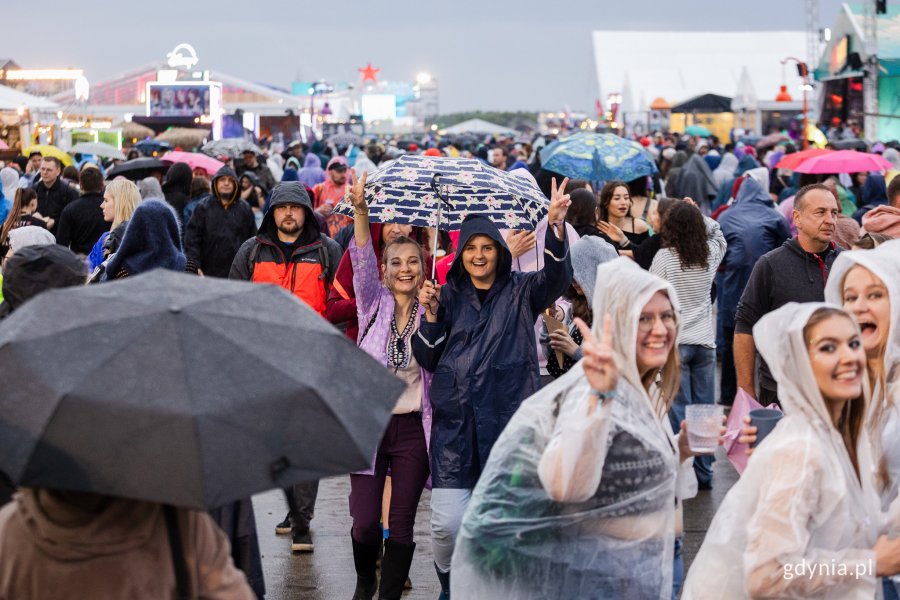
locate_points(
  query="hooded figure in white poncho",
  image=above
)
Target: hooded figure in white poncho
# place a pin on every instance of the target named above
(802, 503)
(859, 296)
(578, 500)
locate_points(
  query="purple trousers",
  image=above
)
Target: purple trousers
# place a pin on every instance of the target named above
(403, 450)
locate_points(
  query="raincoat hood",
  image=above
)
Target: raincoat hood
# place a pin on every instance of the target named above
(33, 269)
(9, 180)
(874, 190)
(30, 235)
(480, 225)
(121, 525)
(892, 156)
(311, 174)
(622, 290)
(779, 338)
(151, 241)
(254, 179)
(149, 188)
(226, 172)
(725, 171)
(290, 174)
(290, 192)
(178, 178)
(587, 253)
(761, 175)
(312, 162)
(746, 163)
(884, 263)
(752, 191)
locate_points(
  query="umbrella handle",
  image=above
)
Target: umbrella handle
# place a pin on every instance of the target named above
(437, 225)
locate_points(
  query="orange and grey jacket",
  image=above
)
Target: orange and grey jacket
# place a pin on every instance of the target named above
(308, 271)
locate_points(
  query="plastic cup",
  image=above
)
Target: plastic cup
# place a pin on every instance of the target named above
(765, 420)
(704, 425)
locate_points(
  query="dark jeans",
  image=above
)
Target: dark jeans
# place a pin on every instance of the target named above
(698, 382)
(678, 567)
(728, 386)
(301, 498)
(403, 450)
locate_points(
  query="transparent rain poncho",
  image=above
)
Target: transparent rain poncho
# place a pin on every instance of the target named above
(798, 523)
(607, 528)
(883, 422)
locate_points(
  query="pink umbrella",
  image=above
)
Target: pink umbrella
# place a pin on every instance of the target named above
(843, 161)
(194, 160)
(3, 145)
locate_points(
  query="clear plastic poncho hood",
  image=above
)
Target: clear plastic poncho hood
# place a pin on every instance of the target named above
(614, 537)
(883, 423)
(799, 505)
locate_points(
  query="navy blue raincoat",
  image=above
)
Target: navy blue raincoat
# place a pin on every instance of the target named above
(483, 356)
(752, 227)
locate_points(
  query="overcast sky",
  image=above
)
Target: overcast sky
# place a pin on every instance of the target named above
(486, 54)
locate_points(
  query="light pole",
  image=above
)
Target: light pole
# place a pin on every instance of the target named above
(318, 88)
(803, 71)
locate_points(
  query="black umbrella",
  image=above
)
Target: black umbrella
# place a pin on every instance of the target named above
(184, 390)
(138, 168)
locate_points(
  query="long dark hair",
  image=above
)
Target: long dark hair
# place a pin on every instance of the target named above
(583, 210)
(581, 308)
(663, 206)
(23, 198)
(606, 195)
(684, 231)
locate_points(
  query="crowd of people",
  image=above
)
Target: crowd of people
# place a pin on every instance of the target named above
(548, 372)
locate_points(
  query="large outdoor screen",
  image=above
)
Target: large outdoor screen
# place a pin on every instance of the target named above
(178, 100)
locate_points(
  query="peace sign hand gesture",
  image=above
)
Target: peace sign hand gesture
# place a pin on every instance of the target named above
(559, 201)
(599, 364)
(357, 193)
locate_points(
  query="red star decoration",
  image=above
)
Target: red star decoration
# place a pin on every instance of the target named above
(369, 73)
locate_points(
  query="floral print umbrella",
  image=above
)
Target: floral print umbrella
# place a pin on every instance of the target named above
(429, 191)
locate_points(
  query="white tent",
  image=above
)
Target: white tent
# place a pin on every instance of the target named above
(477, 126)
(678, 65)
(11, 99)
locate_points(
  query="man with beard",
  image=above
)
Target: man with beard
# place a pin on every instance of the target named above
(290, 251)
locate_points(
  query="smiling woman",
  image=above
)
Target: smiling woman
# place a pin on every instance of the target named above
(867, 284)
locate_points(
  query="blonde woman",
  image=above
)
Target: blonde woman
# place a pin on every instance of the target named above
(804, 520)
(120, 198)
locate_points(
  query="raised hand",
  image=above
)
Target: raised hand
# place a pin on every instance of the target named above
(599, 364)
(559, 201)
(357, 192)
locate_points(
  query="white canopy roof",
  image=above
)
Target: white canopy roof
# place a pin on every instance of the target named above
(11, 99)
(477, 126)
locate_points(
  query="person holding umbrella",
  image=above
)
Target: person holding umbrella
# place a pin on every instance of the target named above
(391, 314)
(479, 343)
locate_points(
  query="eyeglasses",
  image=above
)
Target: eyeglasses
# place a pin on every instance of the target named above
(646, 323)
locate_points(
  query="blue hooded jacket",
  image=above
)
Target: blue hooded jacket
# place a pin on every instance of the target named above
(752, 227)
(152, 240)
(483, 355)
(874, 193)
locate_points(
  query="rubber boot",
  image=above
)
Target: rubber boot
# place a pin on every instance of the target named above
(394, 568)
(444, 578)
(364, 557)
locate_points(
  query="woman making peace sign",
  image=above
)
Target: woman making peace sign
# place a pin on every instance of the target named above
(578, 498)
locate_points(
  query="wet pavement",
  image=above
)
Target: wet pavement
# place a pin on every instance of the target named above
(327, 573)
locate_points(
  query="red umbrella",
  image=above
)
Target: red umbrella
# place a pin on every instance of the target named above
(793, 160)
(843, 161)
(194, 160)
